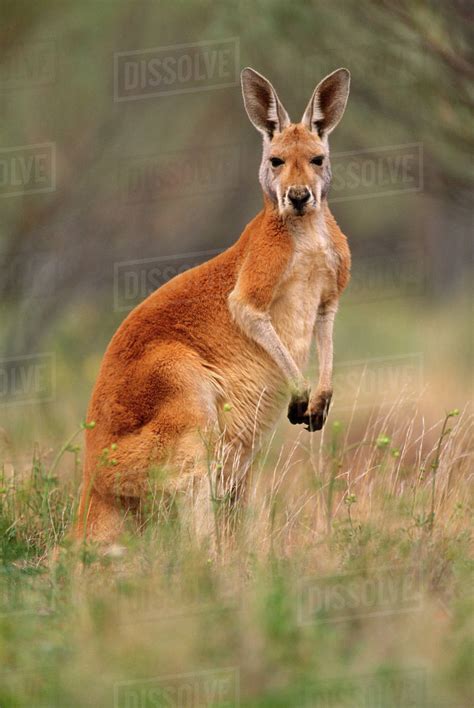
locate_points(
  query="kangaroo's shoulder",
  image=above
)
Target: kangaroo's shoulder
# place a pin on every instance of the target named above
(341, 249)
(267, 241)
(267, 249)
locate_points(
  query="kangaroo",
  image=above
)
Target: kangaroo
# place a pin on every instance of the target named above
(218, 351)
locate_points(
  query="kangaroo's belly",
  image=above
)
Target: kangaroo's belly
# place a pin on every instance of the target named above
(294, 317)
(255, 392)
(255, 388)
(295, 310)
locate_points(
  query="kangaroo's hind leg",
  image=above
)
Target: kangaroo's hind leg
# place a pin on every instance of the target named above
(210, 487)
(100, 518)
(162, 455)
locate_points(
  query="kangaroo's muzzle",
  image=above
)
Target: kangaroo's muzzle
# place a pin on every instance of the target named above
(299, 198)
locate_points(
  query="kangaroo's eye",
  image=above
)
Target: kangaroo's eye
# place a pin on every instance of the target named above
(276, 161)
(318, 160)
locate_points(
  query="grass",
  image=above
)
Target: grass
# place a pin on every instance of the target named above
(346, 583)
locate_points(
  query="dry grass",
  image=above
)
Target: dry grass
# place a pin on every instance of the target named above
(335, 515)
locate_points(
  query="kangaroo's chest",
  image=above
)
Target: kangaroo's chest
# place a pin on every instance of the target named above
(310, 276)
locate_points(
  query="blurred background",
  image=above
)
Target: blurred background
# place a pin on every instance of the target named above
(126, 157)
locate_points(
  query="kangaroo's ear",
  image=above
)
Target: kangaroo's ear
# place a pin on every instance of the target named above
(262, 103)
(328, 102)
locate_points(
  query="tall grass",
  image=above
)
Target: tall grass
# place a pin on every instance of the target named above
(289, 609)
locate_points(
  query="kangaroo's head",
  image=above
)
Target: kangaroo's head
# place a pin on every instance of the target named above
(295, 172)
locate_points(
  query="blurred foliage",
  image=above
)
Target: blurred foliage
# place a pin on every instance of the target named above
(411, 83)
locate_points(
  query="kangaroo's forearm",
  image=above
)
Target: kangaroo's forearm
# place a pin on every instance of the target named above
(324, 344)
(259, 328)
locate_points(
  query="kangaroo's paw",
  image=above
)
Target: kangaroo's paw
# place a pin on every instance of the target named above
(298, 407)
(317, 411)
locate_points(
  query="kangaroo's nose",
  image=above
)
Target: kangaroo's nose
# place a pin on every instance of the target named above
(298, 196)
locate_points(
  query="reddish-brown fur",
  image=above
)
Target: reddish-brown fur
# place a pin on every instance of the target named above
(180, 357)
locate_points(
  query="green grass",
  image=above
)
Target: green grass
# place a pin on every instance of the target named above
(347, 583)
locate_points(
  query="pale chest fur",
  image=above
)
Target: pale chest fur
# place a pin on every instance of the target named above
(252, 382)
(310, 277)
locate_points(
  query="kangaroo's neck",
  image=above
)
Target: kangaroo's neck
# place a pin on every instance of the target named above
(308, 230)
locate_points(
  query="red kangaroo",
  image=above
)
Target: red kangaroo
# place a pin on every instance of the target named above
(217, 352)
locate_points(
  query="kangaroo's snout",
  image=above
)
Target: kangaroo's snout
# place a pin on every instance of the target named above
(298, 196)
